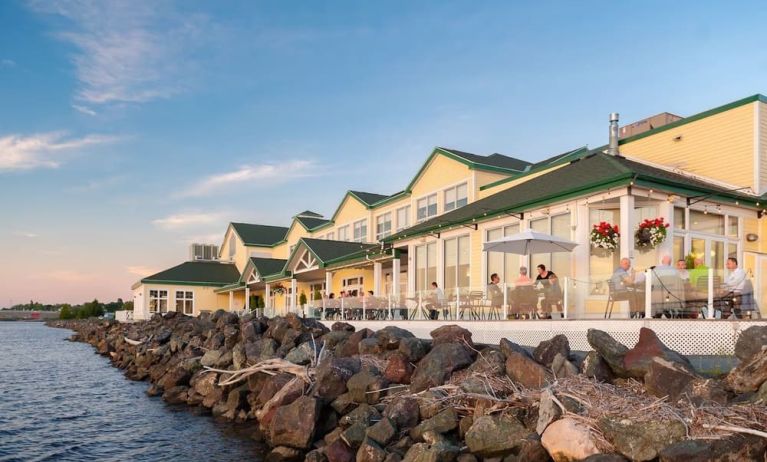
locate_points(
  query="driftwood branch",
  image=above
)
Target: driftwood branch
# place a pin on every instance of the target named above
(729, 428)
(132, 342)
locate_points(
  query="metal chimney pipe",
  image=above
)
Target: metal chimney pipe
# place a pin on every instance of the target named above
(613, 146)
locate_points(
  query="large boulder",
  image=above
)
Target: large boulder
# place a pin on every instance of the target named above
(177, 376)
(398, 369)
(750, 342)
(351, 346)
(562, 367)
(437, 366)
(403, 411)
(451, 334)
(390, 337)
(293, 425)
(495, 435)
(413, 348)
(338, 451)
(508, 347)
(383, 431)
(749, 375)
(545, 352)
(211, 357)
(304, 353)
(548, 411)
(370, 451)
(443, 422)
(612, 351)
(176, 395)
(332, 375)
(525, 371)
(569, 440)
(641, 441)
(637, 360)
(366, 387)
(666, 378)
(595, 367)
(734, 448)
(489, 362)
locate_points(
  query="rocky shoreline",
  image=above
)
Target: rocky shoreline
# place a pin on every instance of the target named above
(340, 395)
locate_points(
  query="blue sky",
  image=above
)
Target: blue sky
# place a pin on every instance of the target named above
(129, 129)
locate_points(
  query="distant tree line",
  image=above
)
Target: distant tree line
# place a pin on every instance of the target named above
(82, 311)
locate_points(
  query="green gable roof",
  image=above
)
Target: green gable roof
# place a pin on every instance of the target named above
(309, 213)
(597, 171)
(327, 251)
(267, 266)
(262, 235)
(204, 273)
(545, 164)
(493, 160)
(311, 222)
(368, 198)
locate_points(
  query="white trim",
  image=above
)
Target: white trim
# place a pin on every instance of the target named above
(380, 236)
(757, 157)
(436, 203)
(455, 189)
(409, 215)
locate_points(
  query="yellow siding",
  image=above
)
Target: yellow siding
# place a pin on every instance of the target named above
(295, 233)
(482, 178)
(440, 172)
(351, 210)
(758, 227)
(762, 147)
(338, 276)
(703, 145)
(205, 298)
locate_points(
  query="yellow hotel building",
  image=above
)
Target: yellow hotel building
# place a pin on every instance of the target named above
(705, 175)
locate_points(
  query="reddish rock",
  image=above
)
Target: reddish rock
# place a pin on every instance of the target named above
(350, 346)
(338, 451)
(398, 369)
(294, 425)
(332, 375)
(637, 360)
(451, 334)
(526, 372)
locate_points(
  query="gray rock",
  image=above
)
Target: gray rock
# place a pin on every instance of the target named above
(495, 435)
(750, 342)
(437, 366)
(562, 368)
(443, 422)
(370, 451)
(641, 441)
(383, 431)
(596, 367)
(547, 350)
(609, 349)
(210, 358)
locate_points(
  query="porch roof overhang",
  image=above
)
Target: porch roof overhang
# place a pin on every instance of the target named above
(583, 176)
(237, 286)
(258, 269)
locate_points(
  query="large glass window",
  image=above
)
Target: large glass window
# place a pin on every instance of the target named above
(559, 226)
(456, 197)
(733, 227)
(506, 265)
(678, 248)
(185, 302)
(457, 262)
(158, 301)
(343, 233)
(383, 226)
(403, 218)
(427, 207)
(703, 222)
(426, 266)
(331, 236)
(360, 231)
(679, 221)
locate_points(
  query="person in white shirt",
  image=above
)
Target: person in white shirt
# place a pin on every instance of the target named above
(736, 280)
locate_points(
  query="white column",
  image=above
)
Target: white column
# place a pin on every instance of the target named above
(267, 296)
(377, 272)
(395, 275)
(247, 298)
(231, 300)
(647, 293)
(710, 276)
(328, 283)
(581, 257)
(666, 210)
(411, 270)
(627, 227)
(293, 299)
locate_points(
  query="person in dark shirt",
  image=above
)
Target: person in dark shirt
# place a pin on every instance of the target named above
(549, 284)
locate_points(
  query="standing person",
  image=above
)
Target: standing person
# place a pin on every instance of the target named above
(436, 300)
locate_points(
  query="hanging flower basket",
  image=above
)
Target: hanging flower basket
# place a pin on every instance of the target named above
(650, 234)
(278, 289)
(605, 236)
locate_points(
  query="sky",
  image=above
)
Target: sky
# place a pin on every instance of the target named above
(129, 129)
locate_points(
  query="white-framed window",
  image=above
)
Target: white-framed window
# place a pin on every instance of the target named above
(456, 263)
(360, 231)
(383, 226)
(343, 233)
(331, 236)
(456, 197)
(185, 301)
(158, 301)
(505, 265)
(403, 218)
(425, 266)
(232, 246)
(427, 207)
(353, 286)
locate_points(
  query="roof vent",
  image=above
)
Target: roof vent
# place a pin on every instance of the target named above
(612, 149)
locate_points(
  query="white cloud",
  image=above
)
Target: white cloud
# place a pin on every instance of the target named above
(128, 51)
(7, 63)
(27, 234)
(141, 271)
(188, 220)
(255, 174)
(43, 150)
(84, 109)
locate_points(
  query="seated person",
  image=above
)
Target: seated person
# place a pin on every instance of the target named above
(699, 271)
(552, 293)
(734, 286)
(523, 279)
(626, 285)
(681, 269)
(494, 292)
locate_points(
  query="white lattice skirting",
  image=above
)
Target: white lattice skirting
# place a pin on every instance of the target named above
(694, 337)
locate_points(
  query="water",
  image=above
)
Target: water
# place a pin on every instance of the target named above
(61, 401)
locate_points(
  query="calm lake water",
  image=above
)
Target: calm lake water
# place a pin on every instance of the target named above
(61, 401)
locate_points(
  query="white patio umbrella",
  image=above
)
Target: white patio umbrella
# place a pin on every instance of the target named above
(530, 242)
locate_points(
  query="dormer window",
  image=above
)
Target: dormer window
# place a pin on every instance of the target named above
(232, 246)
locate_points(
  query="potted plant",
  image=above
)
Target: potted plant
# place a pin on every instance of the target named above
(605, 236)
(650, 233)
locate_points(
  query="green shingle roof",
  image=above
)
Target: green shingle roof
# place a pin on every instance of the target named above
(327, 251)
(211, 273)
(309, 213)
(264, 235)
(267, 266)
(369, 198)
(493, 160)
(596, 171)
(312, 222)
